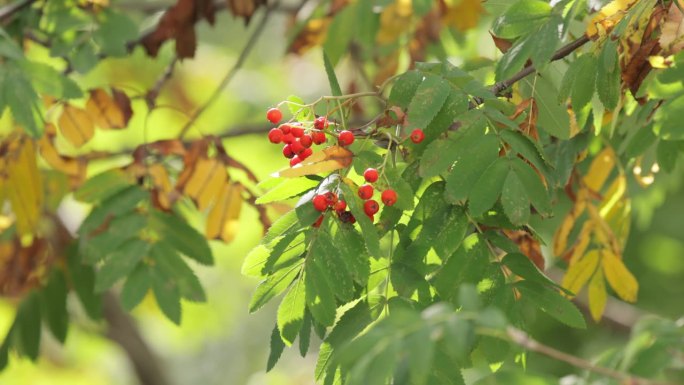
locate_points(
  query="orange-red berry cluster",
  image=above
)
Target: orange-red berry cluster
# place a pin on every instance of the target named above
(366, 191)
(298, 138)
(330, 200)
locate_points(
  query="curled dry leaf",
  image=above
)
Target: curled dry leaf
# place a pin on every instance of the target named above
(330, 159)
(76, 125)
(244, 8)
(672, 32)
(528, 245)
(22, 268)
(178, 23)
(109, 111)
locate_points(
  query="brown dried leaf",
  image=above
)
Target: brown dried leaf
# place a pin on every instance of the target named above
(244, 8)
(502, 44)
(76, 125)
(22, 268)
(528, 245)
(313, 34)
(672, 32)
(178, 23)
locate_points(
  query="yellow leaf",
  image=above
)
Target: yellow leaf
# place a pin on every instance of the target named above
(24, 187)
(464, 15)
(560, 238)
(222, 221)
(672, 32)
(202, 172)
(66, 165)
(608, 16)
(106, 111)
(582, 242)
(76, 125)
(313, 34)
(619, 278)
(393, 21)
(160, 179)
(330, 159)
(597, 295)
(600, 169)
(579, 273)
(213, 187)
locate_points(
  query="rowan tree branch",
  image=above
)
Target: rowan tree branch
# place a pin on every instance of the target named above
(152, 95)
(561, 53)
(249, 45)
(522, 339)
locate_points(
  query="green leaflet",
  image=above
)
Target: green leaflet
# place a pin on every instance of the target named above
(468, 264)
(332, 78)
(183, 237)
(118, 204)
(288, 188)
(281, 253)
(120, 230)
(273, 285)
(551, 302)
(553, 114)
(487, 188)
(277, 347)
(169, 264)
(136, 287)
(521, 18)
(514, 200)
(291, 311)
(430, 95)
(528, 148)
(320, 299)
(120, 263)
(532, 183)
(608, 75)
(102, 186)
(545, 41)
(168, 297)
(404, 88)
(53, 298)
(333, 269)
(370, 233)
(515, 58)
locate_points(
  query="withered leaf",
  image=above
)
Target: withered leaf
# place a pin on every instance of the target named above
(109, 111)
(76, 125)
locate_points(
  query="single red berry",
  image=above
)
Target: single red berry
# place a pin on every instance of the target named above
(341, 205)
(306, 140)
(417, 135)
(285, 128)
(318, 222)
(305, 153)
(370, 175)
(297, 147)
(389, 197)
(331, 198)
(275, 135)
(320, 203)
(274, 115)
(295, 161)
(346, 138)
(365, 191)
(371, 207)
(321, 123)
(288, 138)
(318, 137)
(296, 131)
(287, 151)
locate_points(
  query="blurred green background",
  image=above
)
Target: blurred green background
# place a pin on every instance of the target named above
(219, 342)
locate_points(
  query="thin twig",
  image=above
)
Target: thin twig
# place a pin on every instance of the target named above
(249, 45)
(10, 10)
(561, 53)
(522, 339)
(153, 93)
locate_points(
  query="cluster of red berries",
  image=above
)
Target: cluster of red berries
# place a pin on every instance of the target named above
(330, 200)
(298, 139)
(365, 192)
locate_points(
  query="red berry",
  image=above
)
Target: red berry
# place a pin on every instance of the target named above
(305, 153)
(297, 132)
(287, 151)
(370, 175)
(371, 207)
(340, 206)
(320, 123)
(417, 135)
(318, 137)
(365, 191)
(285, 128)
(275, 135)
(318, 222)
(295, 161)
(274, 115)
(389, 197)
(306, 140)
(288, 138)
(320, 203)
(331, 198)
(346, 138)
(297, 147)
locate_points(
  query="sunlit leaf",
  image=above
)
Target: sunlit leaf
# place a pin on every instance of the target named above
(330, 159)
